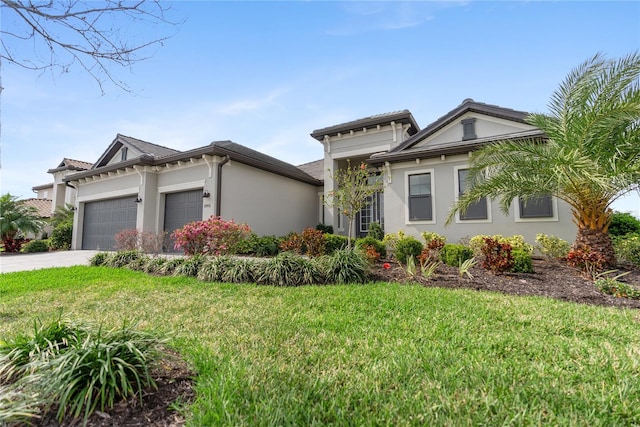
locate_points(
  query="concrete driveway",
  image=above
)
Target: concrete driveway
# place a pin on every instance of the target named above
(23, 262)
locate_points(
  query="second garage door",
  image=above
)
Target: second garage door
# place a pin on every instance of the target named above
(104, 219)
(180, 209)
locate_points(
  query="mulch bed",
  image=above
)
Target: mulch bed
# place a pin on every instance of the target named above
(551, 279)
(175, 380)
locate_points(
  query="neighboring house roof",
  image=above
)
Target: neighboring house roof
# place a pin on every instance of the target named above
(315, 169)
(403, 116)
(468, 105)
(143, 147)
(43, 206)
(42, 187)
(70, 164)
(449, 148)
(236, 152)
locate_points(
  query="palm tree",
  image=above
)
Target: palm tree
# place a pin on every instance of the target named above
(16, 217)
(590, 155)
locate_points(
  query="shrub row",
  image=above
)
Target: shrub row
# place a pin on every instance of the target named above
(285, 269)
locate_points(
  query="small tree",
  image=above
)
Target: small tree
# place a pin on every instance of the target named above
(354, 188)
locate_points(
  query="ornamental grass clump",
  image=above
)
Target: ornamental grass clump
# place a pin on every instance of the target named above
(213, 236)
(214, 268)
(105, 367)
(346, 266)
(74, 369)
(289, 269)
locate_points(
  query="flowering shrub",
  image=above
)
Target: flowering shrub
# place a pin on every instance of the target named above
(213, 236)
(497, 256)
(590, 263)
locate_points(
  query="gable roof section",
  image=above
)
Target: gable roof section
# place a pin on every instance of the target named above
(236, 152)
(468, 105)
(143, 147)
(450, 148)
(72, 165)
(403, 116)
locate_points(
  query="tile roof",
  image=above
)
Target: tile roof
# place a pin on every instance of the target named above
(315, 169)
(43, 206)
(402, 116)
(236, 152)
(71, 164)
(147, 147)
(263, 161)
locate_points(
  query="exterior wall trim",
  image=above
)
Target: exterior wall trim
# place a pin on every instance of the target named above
(456, 184)
(430, 171)
(554, 218)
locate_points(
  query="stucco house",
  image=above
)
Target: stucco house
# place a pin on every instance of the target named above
(137, 184)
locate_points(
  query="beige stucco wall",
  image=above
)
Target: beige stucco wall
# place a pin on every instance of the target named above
(444, 192)
(268, 203)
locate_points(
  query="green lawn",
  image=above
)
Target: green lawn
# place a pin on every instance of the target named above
(377, 354)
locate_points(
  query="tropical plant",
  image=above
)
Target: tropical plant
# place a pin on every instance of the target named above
(62, 214)
(354, 187)
(464, 268)
(16, 217)
(588, 156)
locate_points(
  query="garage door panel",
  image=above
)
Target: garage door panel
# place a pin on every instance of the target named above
(104, 219)
(180, 209)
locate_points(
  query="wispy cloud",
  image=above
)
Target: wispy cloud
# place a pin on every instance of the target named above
(253, 104)
(361, 17)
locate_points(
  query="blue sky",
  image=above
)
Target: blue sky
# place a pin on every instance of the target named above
(266, 74)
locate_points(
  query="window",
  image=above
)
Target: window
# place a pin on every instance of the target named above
(468, 129)
(477, 210)
(536, 207)
(420, 200)
(123, 153)
(373, 210)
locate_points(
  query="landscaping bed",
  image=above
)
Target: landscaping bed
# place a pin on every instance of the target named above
(551, 279)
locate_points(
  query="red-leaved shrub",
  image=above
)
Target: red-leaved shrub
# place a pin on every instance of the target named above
(213, 236)
(497, 256)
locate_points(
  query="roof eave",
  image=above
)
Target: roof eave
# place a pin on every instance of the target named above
(427, 153)
(404, 117)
